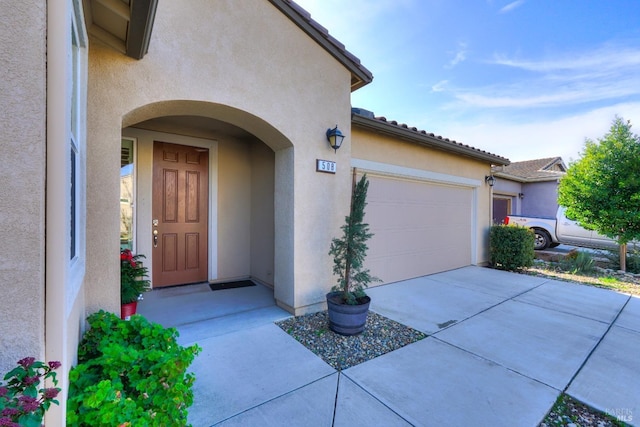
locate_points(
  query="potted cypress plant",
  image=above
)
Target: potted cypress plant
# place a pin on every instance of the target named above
(132, 282)
(347, 303)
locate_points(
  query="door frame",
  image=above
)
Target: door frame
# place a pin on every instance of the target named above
(189, 172)
(508, 199)
(134, 213)
(143, 198)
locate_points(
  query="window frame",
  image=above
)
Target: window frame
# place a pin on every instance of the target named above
(77, 60)
(134, 158)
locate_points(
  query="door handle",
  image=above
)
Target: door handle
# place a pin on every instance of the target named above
(155, 238)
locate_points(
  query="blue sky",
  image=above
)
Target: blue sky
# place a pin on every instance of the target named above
(523, 79)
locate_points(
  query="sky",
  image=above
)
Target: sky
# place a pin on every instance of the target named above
(523, 79)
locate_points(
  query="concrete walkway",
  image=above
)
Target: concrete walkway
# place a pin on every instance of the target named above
(501, 348)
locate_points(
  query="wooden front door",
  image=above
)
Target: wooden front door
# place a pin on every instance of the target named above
(180, 214)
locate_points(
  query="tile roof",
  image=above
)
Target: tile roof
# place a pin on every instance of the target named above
(547, 169)
(367, 119)
(360, 75)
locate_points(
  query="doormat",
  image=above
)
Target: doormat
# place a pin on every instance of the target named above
(231, 285)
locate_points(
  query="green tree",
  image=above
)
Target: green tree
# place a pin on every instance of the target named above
(350, 250)
(601, 190)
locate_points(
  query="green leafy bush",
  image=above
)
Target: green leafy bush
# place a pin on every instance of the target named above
(130, 373)
(511, 247)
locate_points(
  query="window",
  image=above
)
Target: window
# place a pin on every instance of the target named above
(74, 197)
(76, 152)
(127, 192)
(74, 139)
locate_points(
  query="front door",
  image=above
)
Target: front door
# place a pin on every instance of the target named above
(180, 214)
(501, 209)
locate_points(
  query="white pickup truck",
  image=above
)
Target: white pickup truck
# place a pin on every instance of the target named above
(551, 232)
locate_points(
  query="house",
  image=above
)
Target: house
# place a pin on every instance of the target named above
(428, 204)
(212, 117)
(528, 188)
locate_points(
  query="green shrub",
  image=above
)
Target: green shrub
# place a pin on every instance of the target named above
(511, 247)
(578, 262)
(633, 260)
(130, 373)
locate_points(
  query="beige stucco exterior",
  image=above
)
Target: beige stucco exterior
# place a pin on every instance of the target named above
(443, 167)
(228, 77)
(22, 191)
(239, 78)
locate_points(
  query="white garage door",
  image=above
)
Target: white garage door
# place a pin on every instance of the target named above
(420, 227)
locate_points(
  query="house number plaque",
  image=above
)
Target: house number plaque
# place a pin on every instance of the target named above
(325, 166)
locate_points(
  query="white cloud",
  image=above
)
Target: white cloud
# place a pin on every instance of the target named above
(539, 93)
(440, 86)
(460, 55)
(511, 6)
(607, 73)
(606, 58)
(538, 139)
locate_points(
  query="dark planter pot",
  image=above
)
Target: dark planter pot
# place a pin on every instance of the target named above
(346, 319)
(128, 310)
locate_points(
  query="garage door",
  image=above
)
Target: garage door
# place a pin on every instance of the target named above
(420, 227)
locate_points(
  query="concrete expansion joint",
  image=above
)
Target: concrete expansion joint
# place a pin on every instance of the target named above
(278, 397)
(586, 359)
(453, 322)
(357, 384)
(495, 362)
(226, 316)
(335, 402)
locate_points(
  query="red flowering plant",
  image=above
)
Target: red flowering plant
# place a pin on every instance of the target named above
(22, 401)
(132, 277)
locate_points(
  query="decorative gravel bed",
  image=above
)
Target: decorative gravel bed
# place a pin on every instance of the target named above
(381, 335)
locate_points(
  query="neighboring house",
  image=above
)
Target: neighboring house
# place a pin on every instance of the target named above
(527, 188)
(218, 113)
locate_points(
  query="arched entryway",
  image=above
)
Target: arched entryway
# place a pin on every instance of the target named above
(231, 168)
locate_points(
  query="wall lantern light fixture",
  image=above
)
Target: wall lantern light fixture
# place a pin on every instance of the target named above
(335, 138)
(521, 195)
(490, 179)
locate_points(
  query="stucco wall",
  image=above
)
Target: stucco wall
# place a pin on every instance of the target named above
(262, 212)
(507, 189)
(384, 149)
(234, 210)
(227, 60)
(22, 209)
(381, 148)
(540, 199)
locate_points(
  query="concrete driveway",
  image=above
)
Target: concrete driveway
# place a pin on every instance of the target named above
(501, 348)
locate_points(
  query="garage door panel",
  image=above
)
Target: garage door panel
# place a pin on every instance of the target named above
(419, 227)
(403, 214)
(409, 265)
(410, 240)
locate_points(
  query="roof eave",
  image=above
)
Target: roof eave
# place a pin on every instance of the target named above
(526, 180)
(143, 14)
(360, 75)
(426, 140)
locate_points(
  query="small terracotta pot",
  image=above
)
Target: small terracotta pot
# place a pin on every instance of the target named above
(127, 310)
